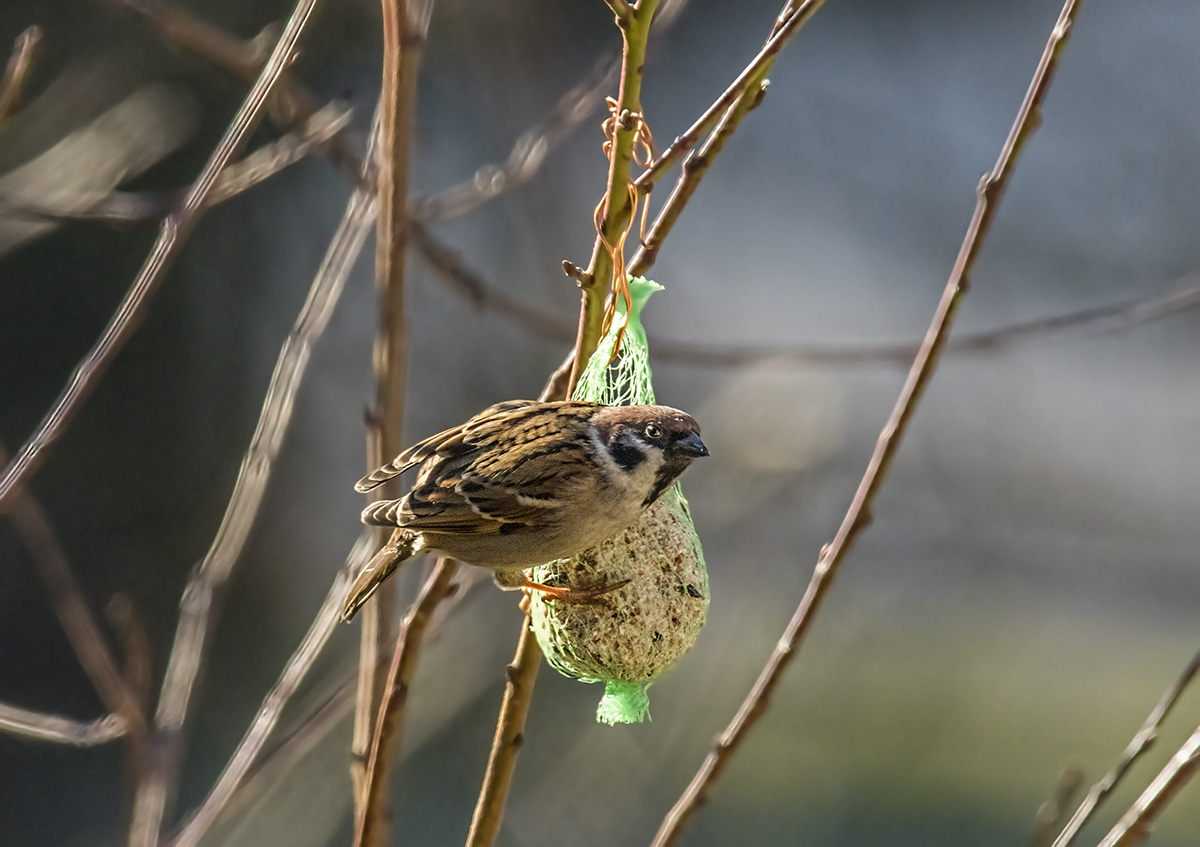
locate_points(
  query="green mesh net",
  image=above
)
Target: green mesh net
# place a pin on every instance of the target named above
(643, 628)
(621, 378)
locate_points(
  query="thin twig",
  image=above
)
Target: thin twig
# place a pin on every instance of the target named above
(472, 286)
(1134, 826)
(41, 727)
(70, 605)
(292, 104)
(259, 166)
(750, 86)
(272, 706)
(593, 284)
(240, 176)
(621, 10)
(508, 740)
(12, 83)
(521, 677)
(114, 207)
(1048, 819)
(404, 28)
(988, 195)
(528, 153)
(172, 234)
(274, 765)
(135, 647)
(1138, 745)
(389, 727)
(785, 26)
(197, 605)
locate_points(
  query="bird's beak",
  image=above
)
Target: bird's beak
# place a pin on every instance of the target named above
(691, 445)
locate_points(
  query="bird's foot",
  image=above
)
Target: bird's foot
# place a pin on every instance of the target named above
(590, 594)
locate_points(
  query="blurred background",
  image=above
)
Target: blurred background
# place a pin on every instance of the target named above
(1029, 584)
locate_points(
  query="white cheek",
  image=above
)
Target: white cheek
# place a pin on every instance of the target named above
(631, 486)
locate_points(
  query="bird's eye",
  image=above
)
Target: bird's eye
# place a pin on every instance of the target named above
(653, 431)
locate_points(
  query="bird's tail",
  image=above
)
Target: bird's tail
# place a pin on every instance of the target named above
(402, 546)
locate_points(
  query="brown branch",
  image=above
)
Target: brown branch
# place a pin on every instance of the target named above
(521, 677)
(470, 284)
(528, 153)
(508, 740)
(172, 234)
(12, 83)
(240, 176)
(272, 706)
(135, 647)
(198, 611)
(467, 283)
(292, 104)
(114, 207)
(750, 87)
(404, 29)
(1113, 318)
(70, 605)
(41, 727)
(635, 31)
(1134, 826)
(793, 16)
(621, 10)
(371, 824)
(312, 134)
(1048, 819)
(1138, 745)
(274, 765)
(988, 195)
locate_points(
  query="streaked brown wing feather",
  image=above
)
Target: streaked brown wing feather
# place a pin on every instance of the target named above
(512, 484)
(447, 443)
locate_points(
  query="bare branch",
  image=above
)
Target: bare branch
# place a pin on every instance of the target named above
(12, 84)
(371, 826)
(1181, 295)
(404, 30)
(197, 610)
(135, 647)
(291, 105)
(528, 153)
(114, 207)
(616, 208)
(1134, 826)
(508, 740)
(240, 176)
(621, 10)
(313, 134)
(753, 85)
(989, 193)
(1138, 745)
(468, 284)
(42, 727)
(793, 16)
(272, 706)
(174, 231)
(518, 695)
(1048, 819)
(70, 605)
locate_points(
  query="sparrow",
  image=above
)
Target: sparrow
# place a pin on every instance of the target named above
(525, 482)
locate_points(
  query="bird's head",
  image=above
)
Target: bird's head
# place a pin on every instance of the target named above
(652, 445)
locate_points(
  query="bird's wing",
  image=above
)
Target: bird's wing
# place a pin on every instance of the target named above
(449, 442)
(517, 483)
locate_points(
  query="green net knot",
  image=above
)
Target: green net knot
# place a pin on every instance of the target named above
(623, 702)
(621, 376)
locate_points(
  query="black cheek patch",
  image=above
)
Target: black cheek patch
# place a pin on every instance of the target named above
(626, 451)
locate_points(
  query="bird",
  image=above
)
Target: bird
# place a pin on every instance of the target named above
(526, 482)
